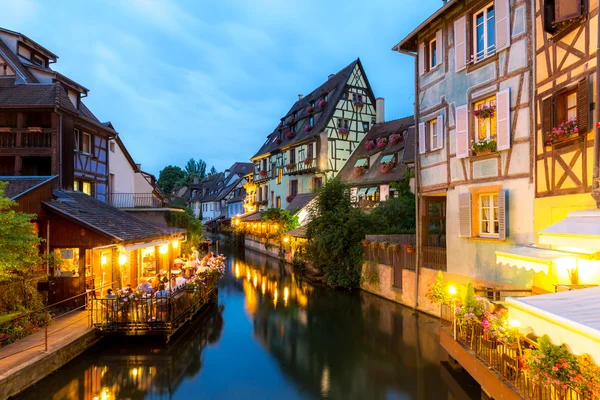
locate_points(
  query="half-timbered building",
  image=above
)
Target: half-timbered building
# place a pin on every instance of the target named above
(474, 107)
(315, 138)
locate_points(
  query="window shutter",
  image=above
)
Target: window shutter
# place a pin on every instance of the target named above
(440, 132)
(548, 16)
(439, 42)
(464, 215)
(421, 58)
(567, 9)
(502, 9)
(422, 146)
(503, 123)
(462, 132)
(502, 214)
(583, 106)
(460, 44)
(547, 119)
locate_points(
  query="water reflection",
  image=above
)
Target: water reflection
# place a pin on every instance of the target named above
(274, 336)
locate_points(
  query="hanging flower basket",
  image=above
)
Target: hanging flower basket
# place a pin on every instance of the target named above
(358, 104)
(290, 135)
(344, 132)
(410, 248)
(563, 25)
(309, 109)
(374, 245)
(369, 145)
(290, 167)
(395, 138)
(291, 120)
(360, 170)
(381, 142)
(322, 103)
(563, 132)
(393, 247)
(386, 167)
(484, 112)
(263, 174)
(308, 128)
(483, 146)
(366, 243)
(383, 245)
(277, 140)
(308, 161)
(290, 198)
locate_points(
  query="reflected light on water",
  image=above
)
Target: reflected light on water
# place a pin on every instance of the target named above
(237, 271)
(275, 295)
(286, 295)
(263, 287)
(325, 381)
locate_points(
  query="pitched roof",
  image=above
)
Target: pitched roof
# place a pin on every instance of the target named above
(373, 175)
(300, 201)
(333, 88)
(35, 95)
(229, 188)
(103, 218)
(15, 63)
(19, 185)
(241, 168)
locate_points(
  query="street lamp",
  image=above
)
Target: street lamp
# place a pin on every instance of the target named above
(452, 291)
(515, 324)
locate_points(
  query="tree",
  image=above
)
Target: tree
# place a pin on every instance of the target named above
(284, 218)
(194, 169)
(186, 220)
(19, 254)
(396, 215)
(335, 232)
(169, 177)
(213, 171)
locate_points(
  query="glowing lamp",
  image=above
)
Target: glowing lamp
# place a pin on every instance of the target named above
(175, 244)
(122, 259)
(515, 323)
(286, 239)
(103, 260)
(275, 226)
(452, 290)
(163, 249)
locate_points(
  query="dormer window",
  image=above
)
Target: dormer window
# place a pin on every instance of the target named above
(311, 121)
(388, 158)
(362, 162)
(38, 60)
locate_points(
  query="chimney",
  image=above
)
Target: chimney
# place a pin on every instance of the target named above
(226, 173)
(196, 179)
(300, 96)
(330, 76)
(379, 110)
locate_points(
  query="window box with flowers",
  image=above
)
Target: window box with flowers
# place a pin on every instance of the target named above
(360, 170)
(290, 167)
(559, 27)
(308, 128)
(410, 248)
(381, 142)
(366, 243)
(277, 140)
(309, 109)
(291, 120)
(358, 104)
(290, 135)
(263, 174)
(563, 132)
(483, 147)
(387, 167)
(290, 198)
(308, 161)
(395, 138)
(485, 111)
(369, 145)
(322, 103)
(344, 132)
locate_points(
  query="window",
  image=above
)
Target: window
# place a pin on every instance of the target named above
(561, 11)
(293, 188)
(357, 97)
(278, 202)
(434, 221)
(572, 103)
(387, 158)
(362, 162)
(76, 186)
(433, 134)
(343, 123)
(345, 95)
(317, 182)
(264, 164)
(86, 143)
(312, 104)
(292, 156)
(311, 121)
(567, 106)
(484, 40)
(293, 128)
(112, 147)
(38, 60)
(76, 138)
(279, 176)
(432, 54)
(365, 126)
(83, 186)
(485, 128)
(488, 215)
(310, 150)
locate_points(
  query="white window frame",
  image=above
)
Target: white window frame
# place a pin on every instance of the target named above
(433, 54)
(488, 121)
(493, 206)
(89, 149)
(432, 132)
(486, 47)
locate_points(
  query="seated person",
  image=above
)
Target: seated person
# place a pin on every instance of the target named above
(180, 281)
(110, 294)
(145, 286)
(162, 292)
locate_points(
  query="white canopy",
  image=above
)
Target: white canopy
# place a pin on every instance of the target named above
(580, 229)
(569, 317)
(532, 258)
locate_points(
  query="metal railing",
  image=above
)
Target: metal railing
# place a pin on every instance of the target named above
(503, 359)
(306, 165)
(134, 200)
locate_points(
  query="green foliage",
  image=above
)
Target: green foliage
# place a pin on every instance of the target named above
(213, 171)
(194, 169)
(169, 177)
(438, 292)
(483, 145)
(371, 274)
(550, 364)
(335, 232)
(396, 215)
(186, 220)
(284, 218)
(20, 327)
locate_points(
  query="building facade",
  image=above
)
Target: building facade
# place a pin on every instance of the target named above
(314, 140)
(474, 91)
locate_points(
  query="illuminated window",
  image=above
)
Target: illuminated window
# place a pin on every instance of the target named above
(86, 188)
(485, 128)
(488, 215)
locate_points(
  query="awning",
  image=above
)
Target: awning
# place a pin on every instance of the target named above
(531, 258)
(579, 230)
(136, 246)
(569, 317)
(372, 191)
(255, 216)
(299, 232)
(361, 192)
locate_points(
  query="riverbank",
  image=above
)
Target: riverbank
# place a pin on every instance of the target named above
(25, 362)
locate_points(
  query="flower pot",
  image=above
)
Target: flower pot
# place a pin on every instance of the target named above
(410, 250)
(290, 135)
(483, 152)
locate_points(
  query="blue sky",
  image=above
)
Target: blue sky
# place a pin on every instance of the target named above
(210, 79)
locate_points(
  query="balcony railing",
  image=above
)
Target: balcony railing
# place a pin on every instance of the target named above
(134, 200)
(18, 138)
(434, 257)
(308, 165)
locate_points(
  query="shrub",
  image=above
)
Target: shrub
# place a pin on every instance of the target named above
(549, 364)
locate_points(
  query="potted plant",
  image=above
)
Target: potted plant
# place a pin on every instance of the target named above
(309, 109)
(366, 243)
(483, 146)
(485, 111)
(549, 365)
(290, 198)
(381, 142)
(410, 248)
(308, 161)
(395, 138)
(308, 128)
(375, 245)
(290, 135)
(358, 104)
(386, 167)
(393, 247)
(290, 167)
(383, 245)
(560, 26)
(277, 140)
(291, 120)
(344, 132)
(322, 103)
(360, 170)
(263, 174)
(563, 132)
(369, 145)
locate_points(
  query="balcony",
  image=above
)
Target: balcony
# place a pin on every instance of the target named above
(307, 166)
(258, 178)
(134, 200)
(25, 138)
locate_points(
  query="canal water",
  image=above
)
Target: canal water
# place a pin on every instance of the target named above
(273, 335)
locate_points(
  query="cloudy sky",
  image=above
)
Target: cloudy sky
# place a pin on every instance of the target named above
(210, 79)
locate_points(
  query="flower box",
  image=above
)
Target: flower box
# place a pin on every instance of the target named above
(360, 170)
(562, 26)
(290, 167)
(308, 161)
(322, 103)
(291, 120)
(277, 140)
(358, 104)
(366, 243)
(381, 142)
(387, 167)
(395, 138)
(263, 174)
(344, 132)
(309, 109)
(383, 245)
(483, 146)
(410, 248)
(564, 131)
(485, 112)
(290, 135)
(308, 128)
(369, 145)
(290, 198)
